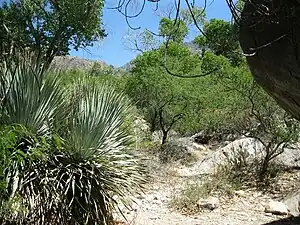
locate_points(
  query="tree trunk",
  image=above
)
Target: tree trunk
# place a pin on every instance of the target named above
(165, 136)
(153, 122)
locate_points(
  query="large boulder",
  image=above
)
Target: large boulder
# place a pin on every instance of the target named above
(249, 149)
(269, 35)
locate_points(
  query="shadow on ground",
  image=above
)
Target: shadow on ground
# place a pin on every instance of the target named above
(286, 221)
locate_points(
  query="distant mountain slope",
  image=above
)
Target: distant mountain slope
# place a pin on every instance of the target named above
(74, 62)
(190, 45)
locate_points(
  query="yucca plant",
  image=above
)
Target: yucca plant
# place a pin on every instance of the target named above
(29, 97)
(84, 160)
(98, 163)
(30, 103)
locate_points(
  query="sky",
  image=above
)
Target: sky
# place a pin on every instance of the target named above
(113, 50)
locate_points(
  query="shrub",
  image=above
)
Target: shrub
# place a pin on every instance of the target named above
(251, 170)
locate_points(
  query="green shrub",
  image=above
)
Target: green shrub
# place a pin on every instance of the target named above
(186, 201)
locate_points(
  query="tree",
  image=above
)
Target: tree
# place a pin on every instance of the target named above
(142, 41)
(48, 27)
(175, 30)
(164, 99)
(198, 14)
(220, 38)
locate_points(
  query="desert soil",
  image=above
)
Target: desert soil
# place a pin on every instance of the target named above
(153, 207)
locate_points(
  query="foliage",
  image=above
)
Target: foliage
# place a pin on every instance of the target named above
(163, 99)
(220, 38)
(187, 199)
(22, 153)
(198, 13)
(173, 30)
(49, 28)
(67, 170)
(39, 95)
(95, 75)
(249, 170)
(174, 152)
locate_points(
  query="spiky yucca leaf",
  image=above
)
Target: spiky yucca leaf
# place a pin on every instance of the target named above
(76, 180)
(30, 98)
(97, 137)
(98, 115)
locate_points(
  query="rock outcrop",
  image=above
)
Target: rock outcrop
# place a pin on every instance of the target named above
(269, 35)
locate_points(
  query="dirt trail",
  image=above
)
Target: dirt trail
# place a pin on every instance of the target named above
(152, 208)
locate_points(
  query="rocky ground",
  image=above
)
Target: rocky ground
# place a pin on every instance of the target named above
(246, 207)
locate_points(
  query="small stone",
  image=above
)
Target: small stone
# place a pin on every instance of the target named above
(293, 203)
(209, 203)
(276, 208)
(154, 218)
(240, 193)
(269, 214)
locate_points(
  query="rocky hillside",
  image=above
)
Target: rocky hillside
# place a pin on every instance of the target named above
(74, 62)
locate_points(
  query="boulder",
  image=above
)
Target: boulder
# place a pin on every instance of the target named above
(157, 136)
(186, 144)
(293, 203)
(240, 193)
(141, 126)
(277, 208)
(202, 138)
(269, 35)
(250, 149)
(247, 146)
(290, 158)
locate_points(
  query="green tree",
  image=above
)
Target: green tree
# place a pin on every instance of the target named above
(198, 14)
(164, 99)
(220, 38)
(174, 30)
(49, 28)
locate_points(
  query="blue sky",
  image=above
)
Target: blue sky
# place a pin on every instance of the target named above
(112, 49)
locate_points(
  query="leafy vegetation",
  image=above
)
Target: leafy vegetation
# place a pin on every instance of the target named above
(158, 94)
(69, 155)
(68, 152)
(49, 28)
